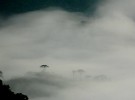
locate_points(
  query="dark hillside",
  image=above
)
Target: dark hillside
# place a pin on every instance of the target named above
(6, 93)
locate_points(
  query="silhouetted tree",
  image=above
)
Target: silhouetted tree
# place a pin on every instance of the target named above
(80, 71)
(74, 74)
(1, 74)
(44, 66)
(6, 93)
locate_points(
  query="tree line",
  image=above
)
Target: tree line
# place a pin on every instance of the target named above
(6, 93)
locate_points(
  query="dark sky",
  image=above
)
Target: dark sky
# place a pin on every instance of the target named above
(10, 7)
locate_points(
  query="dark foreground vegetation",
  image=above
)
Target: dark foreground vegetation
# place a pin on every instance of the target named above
(6, 93)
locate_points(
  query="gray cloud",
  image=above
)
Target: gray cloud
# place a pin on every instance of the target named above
(38, 84)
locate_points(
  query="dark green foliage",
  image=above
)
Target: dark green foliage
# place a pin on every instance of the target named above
(9, 7)
(6, 93)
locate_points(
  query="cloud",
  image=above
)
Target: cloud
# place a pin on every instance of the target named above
(67, 39)
(102, 44)
(38, 84)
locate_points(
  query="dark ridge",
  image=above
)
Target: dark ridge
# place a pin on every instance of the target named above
(11, 7)
(6, 93)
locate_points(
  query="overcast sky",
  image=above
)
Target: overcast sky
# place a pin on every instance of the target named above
(102, 43)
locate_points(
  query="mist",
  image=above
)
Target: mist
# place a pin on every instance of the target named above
(102, 44)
